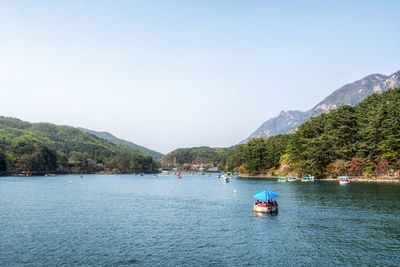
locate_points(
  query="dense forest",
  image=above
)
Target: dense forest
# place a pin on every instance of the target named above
(363, 140)
(42, 147)
(193, 158)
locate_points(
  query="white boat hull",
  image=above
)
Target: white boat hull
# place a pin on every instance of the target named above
(273, 209)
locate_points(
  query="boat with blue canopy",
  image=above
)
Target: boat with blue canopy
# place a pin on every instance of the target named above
(266, 202)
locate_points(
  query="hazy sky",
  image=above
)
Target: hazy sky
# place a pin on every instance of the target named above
(168, 74)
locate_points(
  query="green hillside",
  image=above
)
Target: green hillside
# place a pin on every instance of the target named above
(184, 158)
(48, 147)
(360, 140)
(127, 144)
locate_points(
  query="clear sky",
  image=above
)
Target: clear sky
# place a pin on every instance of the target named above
(169, 74)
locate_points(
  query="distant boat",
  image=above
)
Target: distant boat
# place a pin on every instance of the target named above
(178, 176)
(344, 180)
(226, 177)
(282, 179)
(307, 179)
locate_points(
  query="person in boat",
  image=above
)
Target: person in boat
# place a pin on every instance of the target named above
(256, 204)
(269, 203)
(264, 204)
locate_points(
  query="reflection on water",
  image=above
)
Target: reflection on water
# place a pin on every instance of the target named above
(128, 220)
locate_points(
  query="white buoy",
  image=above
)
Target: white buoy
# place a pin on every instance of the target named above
(234, 190)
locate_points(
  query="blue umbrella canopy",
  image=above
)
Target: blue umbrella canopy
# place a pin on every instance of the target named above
(265, 195)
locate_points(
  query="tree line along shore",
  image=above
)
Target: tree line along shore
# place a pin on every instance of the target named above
(358, 141)
(362, 179)
(361, 141)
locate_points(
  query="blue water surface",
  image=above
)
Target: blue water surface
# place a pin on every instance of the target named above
(104, 220)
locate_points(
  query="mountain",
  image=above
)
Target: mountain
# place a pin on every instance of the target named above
(285, 122)
(111, 138)
(49, 147)
(349, 94)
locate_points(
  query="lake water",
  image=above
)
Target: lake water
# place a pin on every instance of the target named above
(108, 220)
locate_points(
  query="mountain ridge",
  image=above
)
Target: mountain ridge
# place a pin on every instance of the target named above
(113, 139)
(349, 94)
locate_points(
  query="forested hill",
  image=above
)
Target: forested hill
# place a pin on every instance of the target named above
(47, 147)
(360, 140)
(127, 144)
(194, 157)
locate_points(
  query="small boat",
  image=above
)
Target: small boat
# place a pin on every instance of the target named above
(155, 175)
(282, 179)
(271, 206)
(226, 177)
(178, 176)
(307, 179)
(344, 180)
(291, 179)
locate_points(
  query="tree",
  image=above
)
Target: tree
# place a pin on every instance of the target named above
(3, 161)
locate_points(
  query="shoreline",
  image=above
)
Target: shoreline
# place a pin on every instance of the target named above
(359, 179)
(58, 173)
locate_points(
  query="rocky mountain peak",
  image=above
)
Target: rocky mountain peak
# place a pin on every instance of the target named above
(349, 94)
